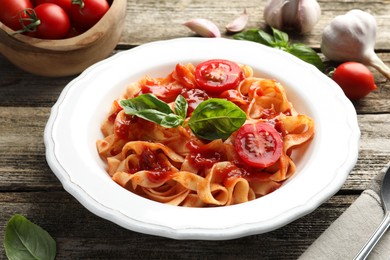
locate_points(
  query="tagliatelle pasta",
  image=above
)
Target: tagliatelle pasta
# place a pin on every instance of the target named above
(173, 165)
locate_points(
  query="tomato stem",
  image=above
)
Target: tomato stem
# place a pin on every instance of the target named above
(29, 23)
(80, 3)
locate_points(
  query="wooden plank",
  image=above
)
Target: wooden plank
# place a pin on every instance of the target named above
(82, 235)
(151, 20)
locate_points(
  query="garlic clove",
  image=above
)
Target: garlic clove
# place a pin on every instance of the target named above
(239, 23)
(298, 15)
(203, 27)
(309, 13)
(273, 15)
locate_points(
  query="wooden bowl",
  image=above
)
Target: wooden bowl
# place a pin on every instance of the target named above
(55, 58)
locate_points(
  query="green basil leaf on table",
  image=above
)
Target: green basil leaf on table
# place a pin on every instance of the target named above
(280, 40)
(26, 240)
(216, 118)
(307, 54)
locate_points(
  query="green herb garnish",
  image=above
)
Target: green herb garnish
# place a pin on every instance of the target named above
(212, 119)
(280, 40)
(216, 118)
(149, 107)
(26, 240)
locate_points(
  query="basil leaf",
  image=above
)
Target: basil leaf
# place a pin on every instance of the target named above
(266, 39)
(280, 40)
(26, 240)
(163, 119)
(145, 101)
(181, 106)
(250, 35)
(149, 107)
(216, 118)
(307, 54)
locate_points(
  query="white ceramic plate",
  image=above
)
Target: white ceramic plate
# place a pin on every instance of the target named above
(322, 166)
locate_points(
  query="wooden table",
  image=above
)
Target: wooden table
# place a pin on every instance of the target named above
(28, 186)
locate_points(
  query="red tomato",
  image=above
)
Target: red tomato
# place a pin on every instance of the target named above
(54, 22)
(10, 11)
(64, 4)
(217, 75)
(86, 13)
(355, 79)
(194, 97)
(258, 145)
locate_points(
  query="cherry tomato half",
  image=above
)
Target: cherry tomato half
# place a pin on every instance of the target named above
(355, 79)
(217, 75)
(258, 145)
(10, 11)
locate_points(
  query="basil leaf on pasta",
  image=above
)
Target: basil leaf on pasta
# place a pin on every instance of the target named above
(150, 108)
(145, 101)
(216, 118)
(181, 106)
(165, 120)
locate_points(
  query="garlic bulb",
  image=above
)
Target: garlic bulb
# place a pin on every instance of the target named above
(351, 37)
(297, 15)
(203, 27)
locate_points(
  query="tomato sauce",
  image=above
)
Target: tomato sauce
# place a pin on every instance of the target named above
(203, 158)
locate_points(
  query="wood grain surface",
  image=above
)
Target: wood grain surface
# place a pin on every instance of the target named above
(29, 187)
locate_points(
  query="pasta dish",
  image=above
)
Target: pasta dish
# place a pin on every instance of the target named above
(210, 134)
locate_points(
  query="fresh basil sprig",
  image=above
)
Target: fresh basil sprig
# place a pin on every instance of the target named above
(212, 119)
(216, 118)
(280, 40)
(149, 107)
(26, 240)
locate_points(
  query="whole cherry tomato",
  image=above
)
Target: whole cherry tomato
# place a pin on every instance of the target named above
(259, 144)
(10, 11)
(355, 79)
(86, 13)
(64, 4)
(53, 23)
(217, 75)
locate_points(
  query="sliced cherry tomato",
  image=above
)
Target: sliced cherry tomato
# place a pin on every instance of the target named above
(86, 13)
(355, 79)
(54, 23)
(258, 145)
(217, 75)
(10, 11)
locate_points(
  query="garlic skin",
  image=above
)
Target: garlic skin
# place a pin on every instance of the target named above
(296, 15)
(238, 24)
(351, 37)
(203, 27)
